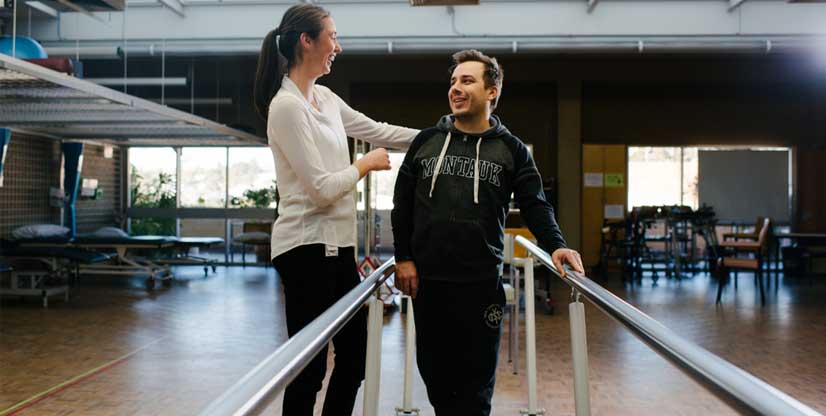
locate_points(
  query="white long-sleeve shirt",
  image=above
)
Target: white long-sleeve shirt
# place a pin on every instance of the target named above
(316, 181)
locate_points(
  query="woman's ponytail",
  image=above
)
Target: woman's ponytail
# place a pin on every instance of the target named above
(271, 68)
(280, 51)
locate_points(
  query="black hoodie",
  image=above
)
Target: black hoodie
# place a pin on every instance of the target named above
(453, 225)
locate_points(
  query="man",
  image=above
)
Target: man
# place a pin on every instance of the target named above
(451, 200)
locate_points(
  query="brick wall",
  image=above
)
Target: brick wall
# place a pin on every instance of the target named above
(102, 212)
(32, 165)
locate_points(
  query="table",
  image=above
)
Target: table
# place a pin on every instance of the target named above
(805, 241)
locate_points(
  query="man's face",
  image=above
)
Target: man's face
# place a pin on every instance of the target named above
(467, 95)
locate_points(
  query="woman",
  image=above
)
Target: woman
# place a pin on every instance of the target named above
(313, 238)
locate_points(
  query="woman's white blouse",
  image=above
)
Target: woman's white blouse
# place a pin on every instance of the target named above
(316, 181)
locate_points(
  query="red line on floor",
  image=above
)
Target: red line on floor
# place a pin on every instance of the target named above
(37, 398)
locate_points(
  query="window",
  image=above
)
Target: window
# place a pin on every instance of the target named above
(384, 182)
(152, 185)
(251, 177)
(723, 177)
(152, 177)
(206, 181)
(691, 176)
(203, 177)
(654, 176)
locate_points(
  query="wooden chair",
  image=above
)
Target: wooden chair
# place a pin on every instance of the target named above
(754, 251)
(758, 226)
(753, 236)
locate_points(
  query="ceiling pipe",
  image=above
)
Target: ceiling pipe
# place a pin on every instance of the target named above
(739, 44)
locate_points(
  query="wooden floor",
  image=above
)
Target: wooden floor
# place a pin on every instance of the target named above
(117, 349)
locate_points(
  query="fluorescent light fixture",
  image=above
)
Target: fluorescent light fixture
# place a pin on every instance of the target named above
(197, 101)
(181, 81)
(43, 8)
(444, 2)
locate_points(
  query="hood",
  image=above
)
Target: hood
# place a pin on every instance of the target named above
(497, 129)
(446, 125)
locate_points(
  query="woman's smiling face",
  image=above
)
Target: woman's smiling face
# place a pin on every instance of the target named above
(321, 51)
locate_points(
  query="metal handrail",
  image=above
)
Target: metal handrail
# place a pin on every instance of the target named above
(262, 384)
(741, 390)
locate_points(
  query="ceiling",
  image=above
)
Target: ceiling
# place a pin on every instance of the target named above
(48, 103)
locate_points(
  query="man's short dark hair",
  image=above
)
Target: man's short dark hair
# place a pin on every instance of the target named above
(493, 73)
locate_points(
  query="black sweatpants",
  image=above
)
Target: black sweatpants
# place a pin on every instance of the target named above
(312, 283)
(458, 328)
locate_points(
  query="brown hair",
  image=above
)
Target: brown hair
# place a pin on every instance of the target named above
(493, 74)
(279, 52)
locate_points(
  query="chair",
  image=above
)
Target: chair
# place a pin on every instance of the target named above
(645, 219)
(734, 259)
(616, 247)
(257, 234)
(758, 226)
(753, 236)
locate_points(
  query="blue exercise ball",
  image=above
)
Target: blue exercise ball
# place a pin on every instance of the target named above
(26, 48)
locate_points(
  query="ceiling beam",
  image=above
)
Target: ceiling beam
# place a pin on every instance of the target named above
(116, 5)
(176, 6)
(43, 8)
(733, 4)
(79, 9)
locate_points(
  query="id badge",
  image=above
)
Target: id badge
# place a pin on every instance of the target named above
(330, 251)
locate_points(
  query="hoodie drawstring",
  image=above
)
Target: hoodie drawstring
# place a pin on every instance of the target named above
(438, 166)
(476, 174)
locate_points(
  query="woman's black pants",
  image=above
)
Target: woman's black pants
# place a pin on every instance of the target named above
(312, 283)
